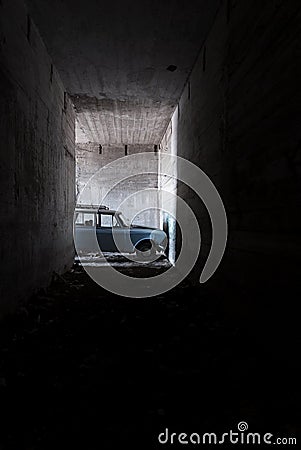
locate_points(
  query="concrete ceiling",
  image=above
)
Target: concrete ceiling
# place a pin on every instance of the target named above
(113, 58)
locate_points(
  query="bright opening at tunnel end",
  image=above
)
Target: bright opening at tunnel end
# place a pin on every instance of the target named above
(188, 173)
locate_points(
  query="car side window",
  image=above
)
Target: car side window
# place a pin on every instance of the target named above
(106, 220)
(85, 219)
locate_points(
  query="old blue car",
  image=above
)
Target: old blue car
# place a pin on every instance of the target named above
(114, 234)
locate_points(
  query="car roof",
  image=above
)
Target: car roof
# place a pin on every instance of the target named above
(95, 209)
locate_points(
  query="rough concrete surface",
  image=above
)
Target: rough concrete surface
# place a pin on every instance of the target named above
(114, 57)
(239, 121)
(93, 168)
(37, 171)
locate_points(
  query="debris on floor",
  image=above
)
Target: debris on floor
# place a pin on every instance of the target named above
(83, 368)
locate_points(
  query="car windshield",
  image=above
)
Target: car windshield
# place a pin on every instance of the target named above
(123, 220)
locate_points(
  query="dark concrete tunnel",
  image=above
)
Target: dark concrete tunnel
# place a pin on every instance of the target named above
(215, 82)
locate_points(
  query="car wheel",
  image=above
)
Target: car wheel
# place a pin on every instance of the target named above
(145, 251)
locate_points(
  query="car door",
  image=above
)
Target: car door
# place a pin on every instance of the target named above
(104, 231)
(85, 232)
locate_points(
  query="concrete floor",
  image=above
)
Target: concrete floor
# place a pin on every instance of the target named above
(82, 368)
(121, 261)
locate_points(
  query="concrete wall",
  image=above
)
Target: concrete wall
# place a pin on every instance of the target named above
(90, 159)
(37, 171)
(168, 183)
(239, 120)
